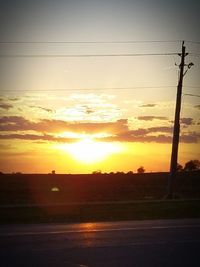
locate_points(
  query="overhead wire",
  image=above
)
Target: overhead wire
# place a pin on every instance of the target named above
(98, 89)
(90, 42)
(192, 42)
(95, 42)
(191, 95)
(86, 55)
(92, 55)
(89, 89)
(194, 54)
(194, 87)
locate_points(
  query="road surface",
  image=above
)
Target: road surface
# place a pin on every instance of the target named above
(113, 244)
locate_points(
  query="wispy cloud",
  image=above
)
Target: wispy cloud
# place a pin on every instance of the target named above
(130, 137)
(197, 106)
(146, 131)
(134, 136)
(14, 99)
(35, 137)
(5, 106)
(151, 118)
(190, 138)
(147, 105)
(161, 129)
(89, 111)
(42, 108)
(186, 121)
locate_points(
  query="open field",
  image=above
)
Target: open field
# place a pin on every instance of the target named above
(80, 198)
(62, 188)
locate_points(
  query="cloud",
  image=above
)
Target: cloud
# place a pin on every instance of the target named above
(14, 99)
(146, 131)
(119, 131)
(151, 118)
(14, 123)
(78, 127)
(162, 129)
(100, 112)
(125, 137)
(5, 106)
(147, 106)
(148, 135)
(18, 123)
(88, 110)
(35, 137)
(190, 138)
(42, 108)
(130, 136)
(197, 106)
(186, 121)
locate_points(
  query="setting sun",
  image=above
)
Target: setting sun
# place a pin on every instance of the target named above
(89, 151)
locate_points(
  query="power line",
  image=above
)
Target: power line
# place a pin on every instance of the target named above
(89, 42)
(192, 42)
(195, 87)
(88, 55)
(192, 95)
(90, 89)
(194, 54)
(99, 89)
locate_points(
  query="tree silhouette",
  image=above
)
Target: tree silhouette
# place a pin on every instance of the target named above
(97, 172)
(179, 167)
(141, 169)
(192, 165)
(130, 172)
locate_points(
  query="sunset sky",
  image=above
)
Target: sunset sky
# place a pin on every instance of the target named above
(75, 113)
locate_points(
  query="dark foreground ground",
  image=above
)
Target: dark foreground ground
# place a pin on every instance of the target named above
(35, 220)
(36, 198)
(100, 211)
(65, 188)
(165, 243)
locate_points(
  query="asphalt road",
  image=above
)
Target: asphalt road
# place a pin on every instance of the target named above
(118, 244)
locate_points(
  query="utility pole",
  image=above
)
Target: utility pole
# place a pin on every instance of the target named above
(176, 131)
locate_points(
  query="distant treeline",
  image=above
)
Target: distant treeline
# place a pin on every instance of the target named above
(64, 188)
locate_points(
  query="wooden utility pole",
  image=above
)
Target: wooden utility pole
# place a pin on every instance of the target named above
(175, 142)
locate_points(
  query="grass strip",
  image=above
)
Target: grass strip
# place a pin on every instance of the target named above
(89, 212)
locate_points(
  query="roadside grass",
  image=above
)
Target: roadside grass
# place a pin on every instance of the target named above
(109, 211)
